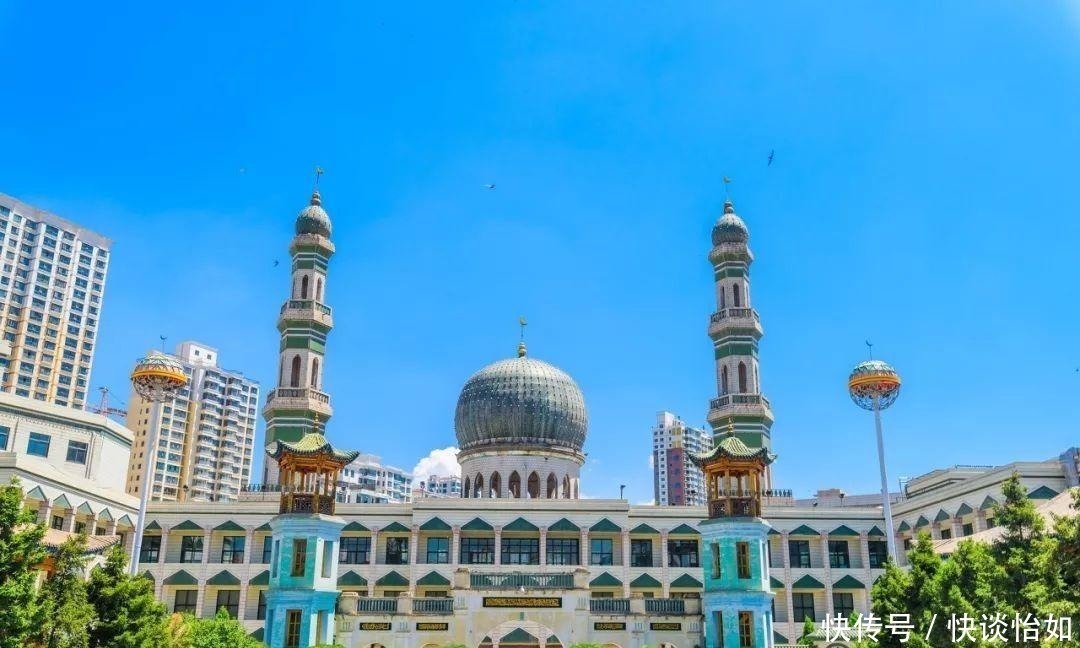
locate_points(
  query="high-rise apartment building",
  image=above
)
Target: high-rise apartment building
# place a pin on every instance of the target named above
(205, 435)
(52, 278)
(676, 480)
(436, 486)
(367, 480)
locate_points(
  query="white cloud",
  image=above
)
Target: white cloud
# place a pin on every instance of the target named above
(650, 502)
(442, 462)
(652, 461)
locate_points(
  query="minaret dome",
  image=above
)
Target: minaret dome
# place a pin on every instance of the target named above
(313, 219)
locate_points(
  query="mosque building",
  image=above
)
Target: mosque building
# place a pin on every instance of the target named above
(520, 560)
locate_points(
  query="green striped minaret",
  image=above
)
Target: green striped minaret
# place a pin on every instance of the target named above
(299, 403)
(735, 330)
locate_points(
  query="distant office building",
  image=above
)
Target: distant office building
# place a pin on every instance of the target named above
(206, 434)
(436, 486)
(52, 277)
(366, 480)
(677, 481)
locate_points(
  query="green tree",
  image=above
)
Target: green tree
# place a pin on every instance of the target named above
(20, 554)
(128, 615)
(808, 630)
(66, 613)
(1019, 547)
(910, 592)
(1059, 566)
(220, 631)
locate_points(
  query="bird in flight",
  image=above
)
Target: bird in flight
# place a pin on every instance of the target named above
(489, 186)
(771, 154)
(276, 262)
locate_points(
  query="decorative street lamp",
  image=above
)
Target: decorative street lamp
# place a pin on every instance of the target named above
(874, 385)
(157, 378)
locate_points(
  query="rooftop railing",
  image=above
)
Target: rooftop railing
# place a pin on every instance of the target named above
(738, 399)
(521, 581)
(609, 606)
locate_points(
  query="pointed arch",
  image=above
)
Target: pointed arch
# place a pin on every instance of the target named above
(566, 487)
(723, 380)
(534, 485)
(478, 485)
(742, 378)
(467, 492)
(736, 296)
(314, 373)
(281, 371)
(294, 374)
(496, 484)
(723, 297)
(318, 290)
(514, 485)
(304, 287)
(552, 486)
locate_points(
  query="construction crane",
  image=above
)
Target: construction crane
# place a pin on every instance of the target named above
(103, 407)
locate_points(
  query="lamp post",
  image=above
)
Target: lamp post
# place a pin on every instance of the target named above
(157, 378)
(874, 386)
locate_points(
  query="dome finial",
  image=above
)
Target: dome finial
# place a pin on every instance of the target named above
(521, 343)
(316, 199)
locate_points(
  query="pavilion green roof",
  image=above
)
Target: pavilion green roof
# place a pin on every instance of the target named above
(312, 443)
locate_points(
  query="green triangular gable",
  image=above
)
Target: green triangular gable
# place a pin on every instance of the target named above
(354, 526)
(904, 526)
(85, 509)
(605, 526)
(35, 493)
(686, 580)
(106, 515)
(180, 578)
(187, 525)
(434, 579)
(564, 525)
(394, 527)
(921, 522)
(605, 580)
(848, 582)
(61, 502)
(264, 527)
(804, 531)
(521, 524)
(964, 510)
(263, 578)
(843, 531)
(1043, 492)
(258, 634)
(774, 583)
(435, 524)
(644, 528)
(351, 579)
(222, 578)
(684, 529)
(153, 526)
(519, 636)
(807, 582)
(393, 579)
(779, 639)
(941, 516)
(988, 503)
(476, 524)
(773, 531)
(147, 575)
(124, 520)
(875, 532)
(228, 526)
(645, 582)
(553, 641)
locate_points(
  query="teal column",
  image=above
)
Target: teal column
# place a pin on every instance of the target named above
(730, 594)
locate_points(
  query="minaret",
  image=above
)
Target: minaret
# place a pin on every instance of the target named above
(735, 330)
(292, 410)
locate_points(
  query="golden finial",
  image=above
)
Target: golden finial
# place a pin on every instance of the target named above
(521, 343)
(731, 424)
(316, 422)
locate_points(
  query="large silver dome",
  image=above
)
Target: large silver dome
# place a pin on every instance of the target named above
(521, 402)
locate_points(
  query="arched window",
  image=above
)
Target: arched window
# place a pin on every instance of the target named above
(534, 486)
(467, 492)
(496, 485)
(723, 381)
(723, 298)
(552, 486)
(515, 484)
(318, 289)
(303, 287)
(314, 373)
(566, 487)
(736, 296)
(742, 378)
(294, 377)
(479, 485)
(281, 372)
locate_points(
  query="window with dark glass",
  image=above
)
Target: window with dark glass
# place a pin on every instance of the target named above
(843, 603)
(260, 609)
(714, 549)
(968, 529)
(299, 556)
(838, 554)
(907, 544)
(397, 550)
(232, 549)
(267, 549)
(946, 534)
(438, 551)
(742, 559)
(879, 552)
(521, 551)
(354, 551)
(5, 433)
(799, 552)
(38, 445)
(601, 551)
(641, 553)
(292, 628)
(185, 601)
(230, 600)
(80, 527)
(682, 553)
(746, 630)
(477, 551)
(76, 452)
(57, 522)
(191, 548)
(150, 550)
(802, 605)
(563, 551)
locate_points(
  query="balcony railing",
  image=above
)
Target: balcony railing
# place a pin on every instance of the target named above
(519, 581)
(735, 507)
(609, 606)
(665, 606)
(306, 304)
(433, 606)
(298, 392)
(738, 399)
(734, 313)
(377, 605)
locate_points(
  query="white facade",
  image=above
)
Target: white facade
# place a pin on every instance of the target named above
(366, 480)
(206, 434)
(676, 480)
(52, 279)
(436, 486)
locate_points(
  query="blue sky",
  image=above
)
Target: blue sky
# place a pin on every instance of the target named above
(922, 196)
